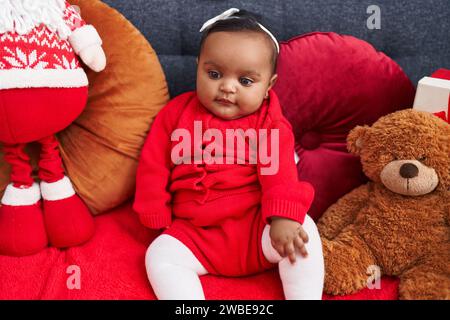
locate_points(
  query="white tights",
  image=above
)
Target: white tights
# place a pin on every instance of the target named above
(174, 271)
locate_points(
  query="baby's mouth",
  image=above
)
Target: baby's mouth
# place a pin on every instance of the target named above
(224, 102)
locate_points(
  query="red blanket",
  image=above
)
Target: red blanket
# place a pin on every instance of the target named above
(111, 266)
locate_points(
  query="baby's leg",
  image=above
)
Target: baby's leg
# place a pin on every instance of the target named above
(302, 280)
(173, 270)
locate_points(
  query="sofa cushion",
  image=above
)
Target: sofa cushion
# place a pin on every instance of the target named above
(111, 266)
(327, 84)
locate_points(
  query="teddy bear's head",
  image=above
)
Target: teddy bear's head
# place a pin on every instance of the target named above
(407, 151)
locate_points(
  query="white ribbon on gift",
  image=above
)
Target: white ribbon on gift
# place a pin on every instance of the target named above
(228, 14)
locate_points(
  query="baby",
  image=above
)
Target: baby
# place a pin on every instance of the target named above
(222, 210)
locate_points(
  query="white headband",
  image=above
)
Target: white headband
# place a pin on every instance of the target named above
(228, 14)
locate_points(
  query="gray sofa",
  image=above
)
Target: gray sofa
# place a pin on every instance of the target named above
(415, 33)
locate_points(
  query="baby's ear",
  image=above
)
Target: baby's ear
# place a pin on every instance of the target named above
(356, 139)
(273, 80)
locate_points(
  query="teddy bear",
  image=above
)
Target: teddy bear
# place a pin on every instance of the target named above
(399, 222)
(43, 89)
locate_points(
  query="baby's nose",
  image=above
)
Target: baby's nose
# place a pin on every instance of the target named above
(228, 87)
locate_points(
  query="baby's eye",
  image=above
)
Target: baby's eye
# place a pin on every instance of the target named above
(246, 81)
(214, 74)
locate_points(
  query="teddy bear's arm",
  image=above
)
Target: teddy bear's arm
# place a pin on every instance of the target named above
(343, 212)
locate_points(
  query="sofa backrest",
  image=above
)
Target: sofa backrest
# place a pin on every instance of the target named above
(415, 33)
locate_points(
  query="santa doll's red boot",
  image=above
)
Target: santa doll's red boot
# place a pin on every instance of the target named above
(22, 229)
(67, 219)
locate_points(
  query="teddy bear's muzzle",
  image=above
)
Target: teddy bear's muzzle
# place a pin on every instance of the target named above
(409, 177)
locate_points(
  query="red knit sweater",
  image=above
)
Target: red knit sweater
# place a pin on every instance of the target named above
(163, 188)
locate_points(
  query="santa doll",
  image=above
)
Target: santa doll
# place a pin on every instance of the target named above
(43, 89)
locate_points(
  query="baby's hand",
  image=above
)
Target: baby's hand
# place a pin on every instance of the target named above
(288, 236)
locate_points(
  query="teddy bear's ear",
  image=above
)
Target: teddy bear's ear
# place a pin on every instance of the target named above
(355, 139)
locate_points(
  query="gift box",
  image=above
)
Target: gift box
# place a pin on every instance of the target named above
(433, 94)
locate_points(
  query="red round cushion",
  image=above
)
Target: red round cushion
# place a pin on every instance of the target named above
(327, 84)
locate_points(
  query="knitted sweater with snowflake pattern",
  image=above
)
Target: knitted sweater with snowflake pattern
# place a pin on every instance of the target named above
(42, 58)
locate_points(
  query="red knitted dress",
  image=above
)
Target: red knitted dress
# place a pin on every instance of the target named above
(219, 211)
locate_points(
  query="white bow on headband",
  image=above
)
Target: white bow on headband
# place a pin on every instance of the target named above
(228, 14)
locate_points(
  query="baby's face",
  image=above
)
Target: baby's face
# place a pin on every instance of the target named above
(234, 73)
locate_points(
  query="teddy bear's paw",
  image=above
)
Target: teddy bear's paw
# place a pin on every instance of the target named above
(345, 267)
(343, 282)
(420, 293)
(424, 286)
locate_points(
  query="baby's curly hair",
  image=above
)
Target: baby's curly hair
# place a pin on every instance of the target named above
(242, 21)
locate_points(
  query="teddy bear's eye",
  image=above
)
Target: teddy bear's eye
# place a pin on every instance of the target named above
(422, 158)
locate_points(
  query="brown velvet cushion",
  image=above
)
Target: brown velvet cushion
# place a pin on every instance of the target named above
(101, 148)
